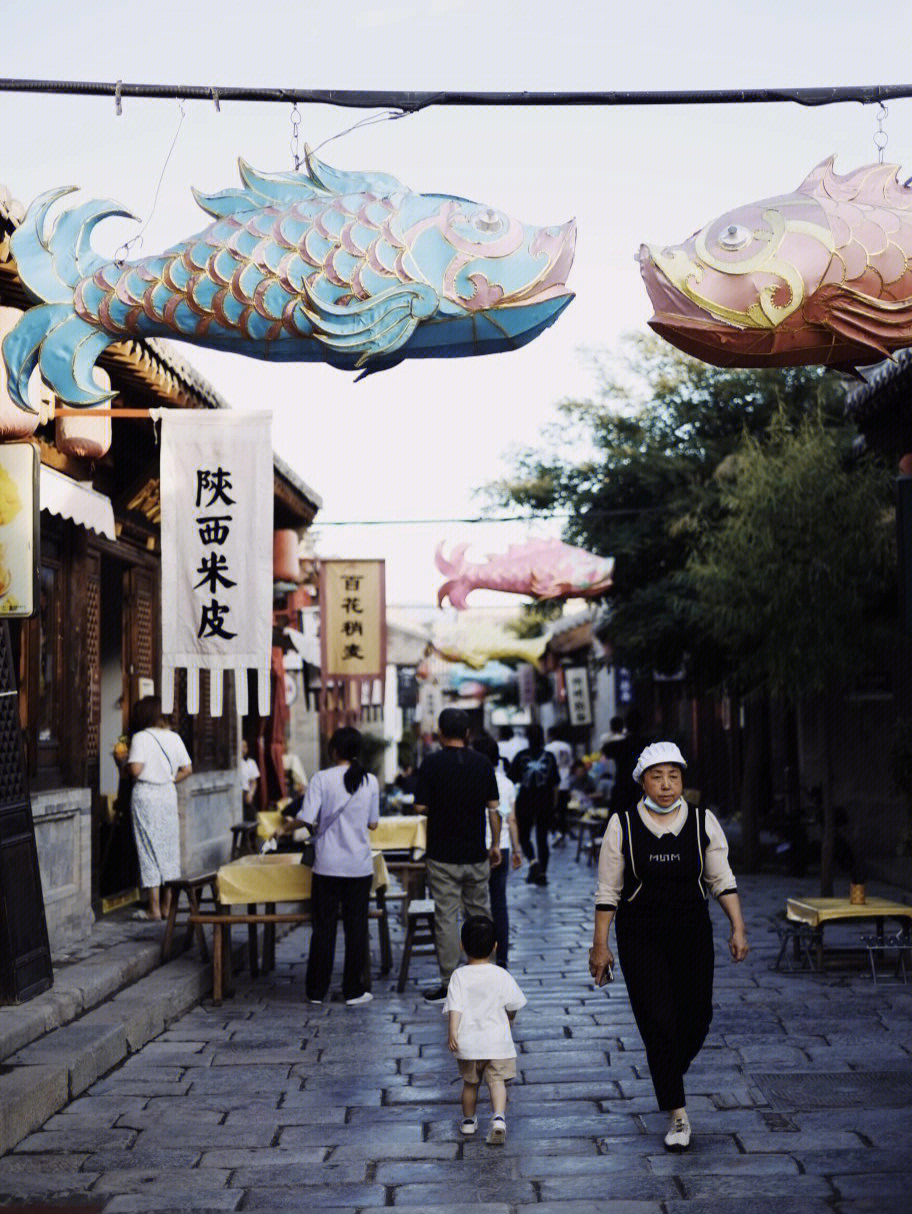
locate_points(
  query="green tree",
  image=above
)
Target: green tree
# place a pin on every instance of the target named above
(635, 468)
(792, 581)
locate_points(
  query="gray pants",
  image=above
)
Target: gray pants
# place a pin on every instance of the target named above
(455, 888)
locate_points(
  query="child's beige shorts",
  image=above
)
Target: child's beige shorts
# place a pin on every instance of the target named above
(473, 1070)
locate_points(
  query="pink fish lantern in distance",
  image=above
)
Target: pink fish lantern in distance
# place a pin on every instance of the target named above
(821, 276)
(544, 569)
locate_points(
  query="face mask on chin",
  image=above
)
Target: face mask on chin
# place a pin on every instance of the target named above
(662, 809)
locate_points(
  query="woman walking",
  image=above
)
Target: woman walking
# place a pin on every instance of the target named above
(511, 854)
(658, 860)
(342, 804)
(158, 762)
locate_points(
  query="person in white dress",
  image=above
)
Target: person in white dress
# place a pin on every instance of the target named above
(158, 762)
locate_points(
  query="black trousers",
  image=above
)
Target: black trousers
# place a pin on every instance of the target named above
(540, 821)
(329, 896)
(497, 885)
(668, 968)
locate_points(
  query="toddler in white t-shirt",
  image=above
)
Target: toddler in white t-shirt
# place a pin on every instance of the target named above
(481, 1001)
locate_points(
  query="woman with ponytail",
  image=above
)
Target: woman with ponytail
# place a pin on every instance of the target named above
(341, 805)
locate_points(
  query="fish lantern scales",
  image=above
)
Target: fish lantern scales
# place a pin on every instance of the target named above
(544, 569)
(821, 276)
(15, 421)
(86, 437)
(349, 268)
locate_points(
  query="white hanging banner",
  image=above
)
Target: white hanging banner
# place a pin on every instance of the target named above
(216, 529)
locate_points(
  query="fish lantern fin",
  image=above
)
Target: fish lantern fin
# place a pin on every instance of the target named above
(372, 327)
(872, 184)
(813, 183)
(455, 566)
(336, 181)
(876, 326)
(226, 202)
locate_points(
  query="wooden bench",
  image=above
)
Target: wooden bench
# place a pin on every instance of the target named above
(419, 936)
(192, 888)
(223, 921)
(243, 839)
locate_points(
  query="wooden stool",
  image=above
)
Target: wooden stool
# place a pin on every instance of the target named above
(243, 839)
(192, 888)
(419, 935)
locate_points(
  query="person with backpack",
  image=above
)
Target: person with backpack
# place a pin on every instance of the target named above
(535, 774)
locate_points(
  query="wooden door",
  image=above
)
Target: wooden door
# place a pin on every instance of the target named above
(25, 954)
(142, 631)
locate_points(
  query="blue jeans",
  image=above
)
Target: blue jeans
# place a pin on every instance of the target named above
(497, 884)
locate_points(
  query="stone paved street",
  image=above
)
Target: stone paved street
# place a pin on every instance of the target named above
(800, 1100)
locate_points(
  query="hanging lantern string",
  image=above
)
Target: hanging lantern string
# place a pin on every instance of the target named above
(136, 241)
(295, 145)
(370, 120)
(880, 135)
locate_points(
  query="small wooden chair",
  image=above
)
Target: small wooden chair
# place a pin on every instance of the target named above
(243, 839)
(419, 936)
(192, 888)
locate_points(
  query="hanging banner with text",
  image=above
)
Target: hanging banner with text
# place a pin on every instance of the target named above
(578, 702)
(216, 529)
(352, 627)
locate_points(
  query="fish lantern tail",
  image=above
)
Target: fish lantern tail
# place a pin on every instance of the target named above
(52, 336)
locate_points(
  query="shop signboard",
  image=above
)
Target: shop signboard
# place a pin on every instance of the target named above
(579, 704)
(19, 510)
(353, 625)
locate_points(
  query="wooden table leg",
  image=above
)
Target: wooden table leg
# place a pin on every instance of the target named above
(169, 926)
(253, 963)
(227, 959)
(217, 956)
(386, 951)
(269, 936)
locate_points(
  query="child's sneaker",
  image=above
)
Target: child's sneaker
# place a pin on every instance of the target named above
(497, 1134)
(468, 1125)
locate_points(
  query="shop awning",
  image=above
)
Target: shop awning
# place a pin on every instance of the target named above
(82, 505)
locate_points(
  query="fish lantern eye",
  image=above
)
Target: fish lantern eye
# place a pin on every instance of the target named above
(488, 221)
(734, 237)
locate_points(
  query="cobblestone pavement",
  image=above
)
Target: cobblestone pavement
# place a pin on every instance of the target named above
(800, 1099)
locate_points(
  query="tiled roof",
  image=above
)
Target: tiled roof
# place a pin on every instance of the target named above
(886, 383)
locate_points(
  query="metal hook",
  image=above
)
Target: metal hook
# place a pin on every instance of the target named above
(118, 95)
(215, 101)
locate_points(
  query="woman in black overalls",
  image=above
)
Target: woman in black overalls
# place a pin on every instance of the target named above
(657, 861)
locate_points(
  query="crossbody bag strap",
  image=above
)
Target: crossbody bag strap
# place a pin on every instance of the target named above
(161, 748)
(333, 817)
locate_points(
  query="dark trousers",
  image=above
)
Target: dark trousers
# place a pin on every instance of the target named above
(540, 821)
(497, 885)
(668, 968)
(328, 896)
(560, 811)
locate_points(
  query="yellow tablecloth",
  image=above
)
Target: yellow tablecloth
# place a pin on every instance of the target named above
(817, 911)
(401, 831)
(276, 878)
(268, 823)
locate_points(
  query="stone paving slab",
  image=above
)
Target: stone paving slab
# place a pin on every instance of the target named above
(269, 1103)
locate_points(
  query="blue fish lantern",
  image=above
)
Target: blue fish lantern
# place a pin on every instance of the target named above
(353, 269)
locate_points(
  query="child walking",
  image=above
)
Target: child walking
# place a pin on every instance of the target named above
(481, 1001)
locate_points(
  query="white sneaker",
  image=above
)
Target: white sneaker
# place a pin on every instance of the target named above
(468, 1125)
(497, 1134)
(678, 1135)
(365, 998)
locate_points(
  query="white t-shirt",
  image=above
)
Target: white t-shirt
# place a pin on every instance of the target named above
(247, 773)
(483, 994)
(510, 748)
(506, 795)
(563, 757)
(161, 752)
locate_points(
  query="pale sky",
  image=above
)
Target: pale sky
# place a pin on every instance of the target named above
(418, 441)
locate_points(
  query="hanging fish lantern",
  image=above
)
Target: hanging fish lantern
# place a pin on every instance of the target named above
(16, 422)
(821, 276)
(86, 437)
(545, 569)
(353, 269)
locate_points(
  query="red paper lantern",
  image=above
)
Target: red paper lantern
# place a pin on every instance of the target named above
(286, 567)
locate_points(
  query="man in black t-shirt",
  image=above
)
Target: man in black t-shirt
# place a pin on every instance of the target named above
(457, 790)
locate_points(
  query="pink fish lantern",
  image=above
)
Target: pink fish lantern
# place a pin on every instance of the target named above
(821, 276)
(544, 569)
(16, 422)
(86, 437)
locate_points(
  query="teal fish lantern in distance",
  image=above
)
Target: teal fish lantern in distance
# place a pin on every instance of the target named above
(353, 269)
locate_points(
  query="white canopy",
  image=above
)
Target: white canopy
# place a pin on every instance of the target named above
(61, 495)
